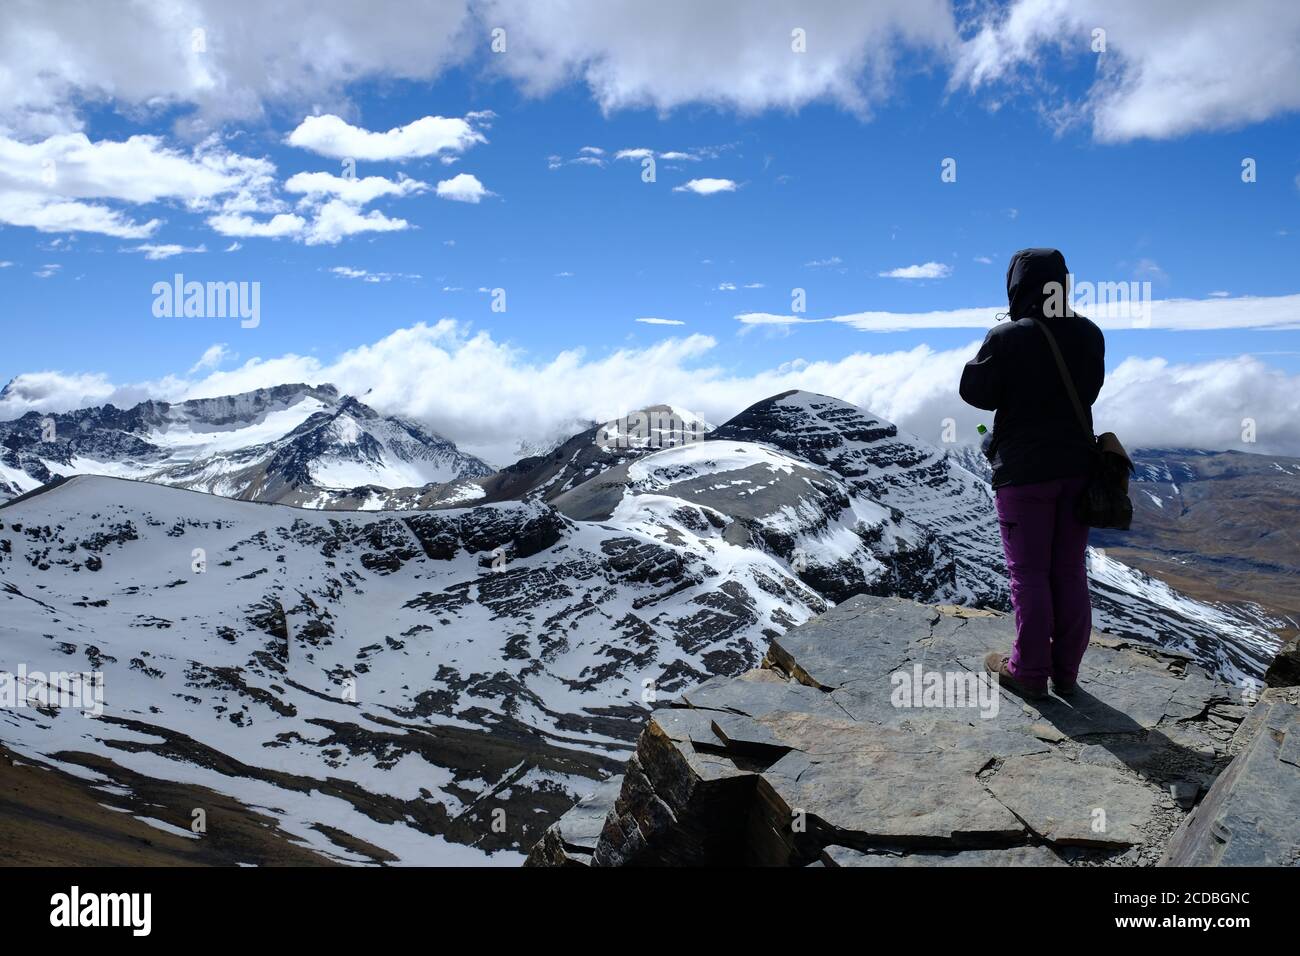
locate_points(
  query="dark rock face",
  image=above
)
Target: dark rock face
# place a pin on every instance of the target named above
(871, 455)
(819, 757)
(1285, 669)
(1251, 815)
(516, 530)
(572, 840)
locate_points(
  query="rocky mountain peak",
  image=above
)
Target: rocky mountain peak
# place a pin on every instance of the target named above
(823, 429)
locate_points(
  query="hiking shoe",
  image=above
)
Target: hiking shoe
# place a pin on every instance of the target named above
(1063, 689)
(996, 663)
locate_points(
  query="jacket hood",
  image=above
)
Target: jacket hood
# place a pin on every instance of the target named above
(1028, 275)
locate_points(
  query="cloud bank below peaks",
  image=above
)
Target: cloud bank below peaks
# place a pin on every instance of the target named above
(435, 374)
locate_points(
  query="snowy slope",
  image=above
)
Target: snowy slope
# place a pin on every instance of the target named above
(500, 654)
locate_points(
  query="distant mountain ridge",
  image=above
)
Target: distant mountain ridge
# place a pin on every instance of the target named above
(293, 444)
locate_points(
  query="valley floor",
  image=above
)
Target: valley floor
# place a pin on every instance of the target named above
(68, 815)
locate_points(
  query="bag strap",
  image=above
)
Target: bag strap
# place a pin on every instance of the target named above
(1066, 378)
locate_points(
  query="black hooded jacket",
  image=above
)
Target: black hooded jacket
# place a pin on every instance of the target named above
(1036, 433)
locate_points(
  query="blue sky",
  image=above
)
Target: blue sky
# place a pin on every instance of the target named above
(832, 185)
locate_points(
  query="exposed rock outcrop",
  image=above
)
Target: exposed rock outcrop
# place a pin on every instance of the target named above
(1285, 669)
(819, 756)
(1251, 816)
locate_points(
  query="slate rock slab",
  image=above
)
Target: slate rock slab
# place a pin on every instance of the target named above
(1010, 856)
(861, 639)
(1065, 802)
(753, 698)
(571, 840)
(1251, 816)
(888, 796)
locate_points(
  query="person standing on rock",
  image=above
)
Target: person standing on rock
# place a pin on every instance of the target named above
(1041, 459)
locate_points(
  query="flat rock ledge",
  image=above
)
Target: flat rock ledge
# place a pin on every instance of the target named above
(824, 756)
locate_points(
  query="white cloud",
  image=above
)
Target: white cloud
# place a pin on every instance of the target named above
(139, 169)
(822, 263)
(213, 356)
(928, 270)
(234, 247)
(50, 391)
(726, 287)
(462, 188)
(48, 271)
(1169, 68)
(5, 264)
(61, 183)
(767, 318)
(331, 207)
(336, 220)
(706, 186)
(1243, 312)
(58, 56)
(984, 260)
(678, 155)
(330, 135)
(734, 53)
(46, 214)
(278, 226)
(356, 191)
(1149, 269)
(595, 156)
(650, 320)
(348, 272)
(165, 250)
(435, 374)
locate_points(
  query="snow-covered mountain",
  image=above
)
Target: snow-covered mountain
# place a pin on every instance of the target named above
(397, 676)
(592, 451)
(295, 444)
(430, 686)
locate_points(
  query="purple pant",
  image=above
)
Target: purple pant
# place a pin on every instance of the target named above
(1045, 545)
